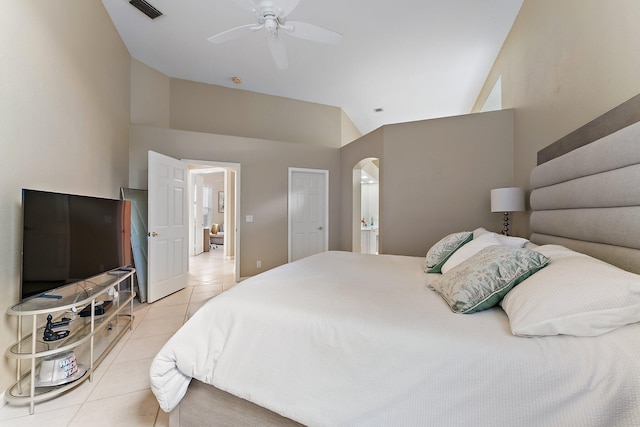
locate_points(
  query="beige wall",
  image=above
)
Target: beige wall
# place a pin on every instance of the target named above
(64, 119)
(264, 182)
(150, 96)
(564, 63)
(214, 109)
(160, 101)
(349, 131)
(435, 178)
(431, 172)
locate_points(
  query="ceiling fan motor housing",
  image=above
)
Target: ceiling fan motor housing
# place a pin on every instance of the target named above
(269, 17)
(271, 25)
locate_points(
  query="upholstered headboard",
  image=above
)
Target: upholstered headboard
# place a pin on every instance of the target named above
(588, 198)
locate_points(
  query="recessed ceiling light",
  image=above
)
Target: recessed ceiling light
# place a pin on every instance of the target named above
(378, 110)
(237, 80)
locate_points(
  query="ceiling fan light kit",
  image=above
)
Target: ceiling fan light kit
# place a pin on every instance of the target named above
(272, 18)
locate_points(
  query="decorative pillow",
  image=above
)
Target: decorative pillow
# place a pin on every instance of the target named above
(442, 250)
(470, 249)
(484, 279)
(575, 295)
(516, 242)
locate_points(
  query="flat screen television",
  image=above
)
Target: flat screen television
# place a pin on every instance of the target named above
(68, 238)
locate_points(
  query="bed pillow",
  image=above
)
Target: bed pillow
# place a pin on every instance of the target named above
(482, 281)
(513, 241)
(516, 242)
(575, 295)
(442, 250)
(470, 249)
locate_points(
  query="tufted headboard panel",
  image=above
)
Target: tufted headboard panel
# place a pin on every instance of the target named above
(588, 199)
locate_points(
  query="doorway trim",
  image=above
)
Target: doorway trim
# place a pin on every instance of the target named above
(325, 175)
(236, 167)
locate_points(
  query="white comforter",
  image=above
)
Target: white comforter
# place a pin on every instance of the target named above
(343, 339)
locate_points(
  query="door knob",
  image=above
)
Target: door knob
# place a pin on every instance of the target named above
(154, 234)
(320, 228)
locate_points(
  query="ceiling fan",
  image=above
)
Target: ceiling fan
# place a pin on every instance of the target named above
(271, 15)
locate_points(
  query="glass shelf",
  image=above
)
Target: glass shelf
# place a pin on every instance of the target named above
(104, 338)
(70, 296)
(79, 331)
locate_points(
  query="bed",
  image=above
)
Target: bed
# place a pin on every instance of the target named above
(553, 340)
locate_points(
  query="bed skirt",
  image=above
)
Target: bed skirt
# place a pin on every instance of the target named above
(207, 405)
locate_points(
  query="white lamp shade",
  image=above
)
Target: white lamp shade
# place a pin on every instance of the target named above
(510, 199)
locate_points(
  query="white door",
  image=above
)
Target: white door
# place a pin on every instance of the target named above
(168, 226)
(308, 212)
(198, 214)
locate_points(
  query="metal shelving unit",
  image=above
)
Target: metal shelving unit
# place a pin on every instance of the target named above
(90, 338)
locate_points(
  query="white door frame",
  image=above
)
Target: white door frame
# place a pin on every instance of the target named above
(325, 174)
(196, 217)
(235, 166)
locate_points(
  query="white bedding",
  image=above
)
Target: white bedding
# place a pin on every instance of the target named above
(344, 339)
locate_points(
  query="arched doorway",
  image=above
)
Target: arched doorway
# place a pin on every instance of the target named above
(366, 206)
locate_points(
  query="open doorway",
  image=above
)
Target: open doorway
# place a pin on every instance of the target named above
(366, 206)
(214, 210)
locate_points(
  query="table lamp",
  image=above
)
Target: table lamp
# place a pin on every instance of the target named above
(505, 200)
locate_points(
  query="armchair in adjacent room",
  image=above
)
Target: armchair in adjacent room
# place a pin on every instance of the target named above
(216, 235)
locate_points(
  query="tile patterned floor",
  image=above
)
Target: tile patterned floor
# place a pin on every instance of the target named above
(119, 394)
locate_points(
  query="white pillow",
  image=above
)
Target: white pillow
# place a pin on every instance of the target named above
(574, 295)
(516, 242)
(479, 232)
(470, 249)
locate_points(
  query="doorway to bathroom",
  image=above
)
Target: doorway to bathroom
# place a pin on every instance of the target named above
(367, 203)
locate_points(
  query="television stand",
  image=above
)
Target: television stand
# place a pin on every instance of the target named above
(68, 359)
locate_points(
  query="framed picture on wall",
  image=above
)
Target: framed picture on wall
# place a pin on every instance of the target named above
(220, 201)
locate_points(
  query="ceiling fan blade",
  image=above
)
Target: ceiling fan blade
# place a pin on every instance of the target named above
(312, 32)
(249, 5)
(287, 6)
(233, 33)
(278, 52)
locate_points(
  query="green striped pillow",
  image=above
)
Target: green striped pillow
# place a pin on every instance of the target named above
(483, 280)
(443, 249)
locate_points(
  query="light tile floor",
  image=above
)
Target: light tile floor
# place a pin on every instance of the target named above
(119, 394)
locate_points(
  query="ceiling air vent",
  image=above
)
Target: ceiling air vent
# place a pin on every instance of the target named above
(146, 8)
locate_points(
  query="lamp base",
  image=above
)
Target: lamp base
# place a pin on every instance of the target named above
(505, 224)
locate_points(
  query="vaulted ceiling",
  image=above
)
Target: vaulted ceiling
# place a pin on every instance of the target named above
(413, 59)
